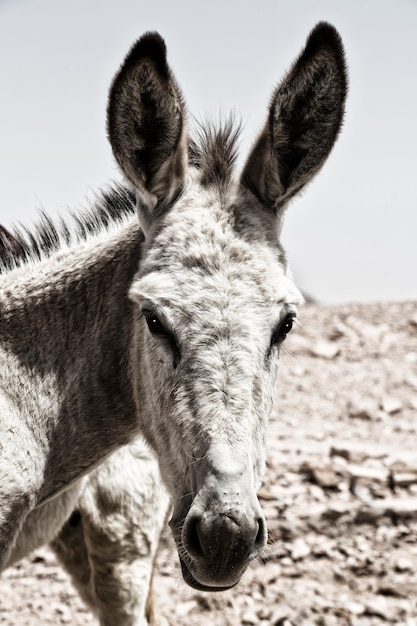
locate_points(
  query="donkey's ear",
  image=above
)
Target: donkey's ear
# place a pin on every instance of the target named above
(305, 117)
(145, 120)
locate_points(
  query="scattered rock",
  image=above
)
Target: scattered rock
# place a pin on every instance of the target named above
(343, 452)
(334, 511)
(404, 478)
(377, 606)
(395, 509)
(361, 408)
(355, 608)
(325, 350)
(323, 474)
(398, 589)
(412, 320)
(300, 550)
(391, 405)
(279, 616)
(250, 617)
(404, 564)
(364, 472)
(184, 608)
(351, 453)
(266, 494)
(411, 380)
(360, 621)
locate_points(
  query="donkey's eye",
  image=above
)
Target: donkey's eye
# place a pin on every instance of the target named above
(282, 330)
(157, 329)
(154, 324)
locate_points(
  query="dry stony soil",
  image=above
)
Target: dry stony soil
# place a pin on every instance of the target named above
(340, 494)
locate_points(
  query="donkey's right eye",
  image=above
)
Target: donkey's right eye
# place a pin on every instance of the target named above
(154, 324)
(157, 329)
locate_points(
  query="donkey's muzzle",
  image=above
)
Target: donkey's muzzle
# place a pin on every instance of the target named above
(219, 547)
(224, 527)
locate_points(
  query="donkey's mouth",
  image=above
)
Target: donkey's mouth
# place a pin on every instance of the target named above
(192, 582)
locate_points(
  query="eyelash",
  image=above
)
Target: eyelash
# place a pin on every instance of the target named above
(282, 330)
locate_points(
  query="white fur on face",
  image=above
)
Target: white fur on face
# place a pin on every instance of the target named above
(220, 293)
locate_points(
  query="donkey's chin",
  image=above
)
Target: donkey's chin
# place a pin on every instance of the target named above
(198, 586)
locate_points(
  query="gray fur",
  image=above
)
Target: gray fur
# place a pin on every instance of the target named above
(171, 331)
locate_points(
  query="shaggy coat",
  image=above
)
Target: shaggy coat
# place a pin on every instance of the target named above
(160, 314)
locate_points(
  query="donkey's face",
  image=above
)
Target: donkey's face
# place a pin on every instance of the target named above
(214, 298)
(215, 305)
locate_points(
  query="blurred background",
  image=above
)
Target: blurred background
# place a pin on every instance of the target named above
(350, 237)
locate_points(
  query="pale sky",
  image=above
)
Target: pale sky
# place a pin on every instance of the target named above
(350, 237)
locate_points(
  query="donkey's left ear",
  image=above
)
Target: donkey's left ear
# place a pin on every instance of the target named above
(304, 120)
(145, 121)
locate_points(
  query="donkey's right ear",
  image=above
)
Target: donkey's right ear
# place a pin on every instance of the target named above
(146, 127)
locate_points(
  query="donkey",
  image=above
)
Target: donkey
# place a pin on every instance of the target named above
(167, 328)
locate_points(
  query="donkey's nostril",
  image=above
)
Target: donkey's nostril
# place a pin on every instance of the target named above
(192, 540)
(260, 538)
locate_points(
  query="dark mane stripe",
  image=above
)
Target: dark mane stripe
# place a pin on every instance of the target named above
(23, 244)
(9, 244)
(213, 152)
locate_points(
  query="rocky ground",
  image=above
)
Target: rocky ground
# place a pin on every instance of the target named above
(340, 493)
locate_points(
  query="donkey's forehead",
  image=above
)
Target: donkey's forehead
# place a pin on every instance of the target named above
(201, 231)
(199, 253)
(200, 246)
(220, 290)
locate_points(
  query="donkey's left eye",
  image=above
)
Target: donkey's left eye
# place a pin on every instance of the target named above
(282, 330)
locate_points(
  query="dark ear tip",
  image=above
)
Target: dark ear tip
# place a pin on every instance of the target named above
(325, 34)
(149, 46)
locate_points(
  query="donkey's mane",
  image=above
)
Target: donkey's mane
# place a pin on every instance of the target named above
(22, 244)
(213, 151)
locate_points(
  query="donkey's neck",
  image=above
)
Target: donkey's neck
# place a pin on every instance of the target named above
(65, 325)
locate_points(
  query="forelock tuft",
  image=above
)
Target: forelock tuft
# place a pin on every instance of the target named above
(213, 150)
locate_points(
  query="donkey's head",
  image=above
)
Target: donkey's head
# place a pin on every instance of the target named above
(214, 297)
